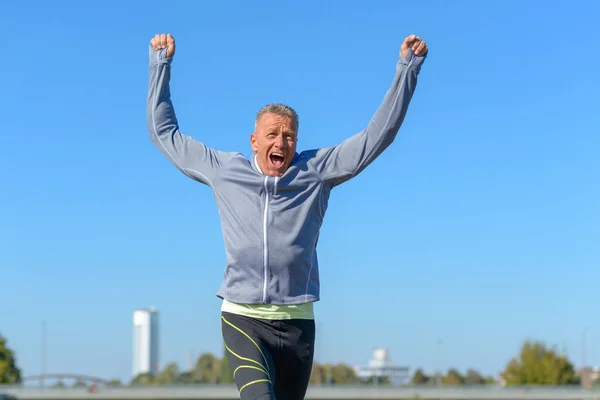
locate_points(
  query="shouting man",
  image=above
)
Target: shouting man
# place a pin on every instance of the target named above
(271, 208)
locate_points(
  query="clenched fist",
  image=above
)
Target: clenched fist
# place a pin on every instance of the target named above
(418, 46)
(162, 41)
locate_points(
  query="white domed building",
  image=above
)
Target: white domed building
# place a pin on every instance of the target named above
(380, 367)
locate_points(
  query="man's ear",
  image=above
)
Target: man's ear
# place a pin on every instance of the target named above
(253, 143)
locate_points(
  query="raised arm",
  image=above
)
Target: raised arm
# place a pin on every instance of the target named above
(190, 156)
(342, 162)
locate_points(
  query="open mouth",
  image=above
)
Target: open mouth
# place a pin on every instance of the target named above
(277, 159)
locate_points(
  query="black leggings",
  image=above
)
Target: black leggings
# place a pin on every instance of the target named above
(269, 359)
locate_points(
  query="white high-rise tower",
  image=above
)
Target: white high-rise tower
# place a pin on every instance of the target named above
(145, 341)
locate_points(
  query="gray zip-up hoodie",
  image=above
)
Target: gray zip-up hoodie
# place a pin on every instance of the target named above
(271, 225)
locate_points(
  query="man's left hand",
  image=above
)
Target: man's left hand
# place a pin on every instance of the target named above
(414, 42)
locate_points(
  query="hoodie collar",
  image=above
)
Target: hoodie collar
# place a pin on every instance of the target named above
(255, 164)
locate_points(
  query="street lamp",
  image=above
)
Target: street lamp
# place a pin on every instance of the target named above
(587, 328)
(440, 342)
(43, 377)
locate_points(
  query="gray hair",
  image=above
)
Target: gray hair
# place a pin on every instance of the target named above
(278, 109)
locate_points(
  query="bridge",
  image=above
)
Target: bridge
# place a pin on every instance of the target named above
(338, 392)
(60, 377)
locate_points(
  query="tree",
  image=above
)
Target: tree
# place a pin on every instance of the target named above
(79, 384)
(59, 385)
(539, 365)
(208, 368)
(419, 377)
(9, 371)
(474, 378)
(379, 380)
(453, 377)
(317, 375)
(168, 375)
(185, 377)
(327, 374)
(114, 383)
(226, 376)
(146, 378)
(343, 374)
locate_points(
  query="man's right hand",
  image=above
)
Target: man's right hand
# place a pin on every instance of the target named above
(162, 41)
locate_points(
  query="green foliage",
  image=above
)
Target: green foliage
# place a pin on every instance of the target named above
(539, 365)
(343, 374)
(380, 381)
(168, 375)
(79, 384)
(226, 375)
(318, 374)
(326, 374)
(208, 369)
(144, 379)
(453, 377)
(185, 377)
(9, 371)
(59, 385)
(419, 377)
(474, 378)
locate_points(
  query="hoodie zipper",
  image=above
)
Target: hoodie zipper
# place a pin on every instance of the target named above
(265, 242)
(265, 234)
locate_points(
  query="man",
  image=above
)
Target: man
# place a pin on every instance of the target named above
(271, 208)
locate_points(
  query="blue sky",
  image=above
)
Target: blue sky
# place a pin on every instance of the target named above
(479, 226)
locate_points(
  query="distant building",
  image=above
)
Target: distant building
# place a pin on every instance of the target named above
(588, 376)
(145, 341)
(382, 367)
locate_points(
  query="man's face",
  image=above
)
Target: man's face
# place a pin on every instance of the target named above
(274, 142)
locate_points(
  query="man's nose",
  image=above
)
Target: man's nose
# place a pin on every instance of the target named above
(279, 142)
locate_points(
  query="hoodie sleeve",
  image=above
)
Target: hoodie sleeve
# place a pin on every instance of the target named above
(190, 156)
(338, 164)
